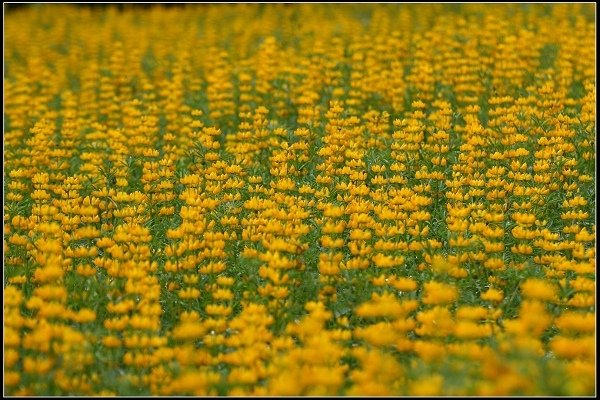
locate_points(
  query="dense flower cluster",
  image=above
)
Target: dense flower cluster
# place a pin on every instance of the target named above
(300, 199)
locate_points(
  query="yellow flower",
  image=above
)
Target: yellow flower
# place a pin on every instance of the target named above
(111, 341)
(539, 289)
(379, 334)
(494, 263)
(585, 236)
(439, 293)
(37, 365)
(435, 322)
(471, 330)
(218, 309)
(565, 347)
(243, 375)
(429, 351)
(85, 315)
(441, 265)
(11, 378)
(493, 295)
(582, 300)
(194, 382)
(404, 284)
(576, 322)
(385, 305)
(51, 272)
(383, 261)
(12, 296)
(189, 293)
(472, 313)
(583, 284)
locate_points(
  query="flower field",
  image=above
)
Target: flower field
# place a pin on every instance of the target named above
(300, 199)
